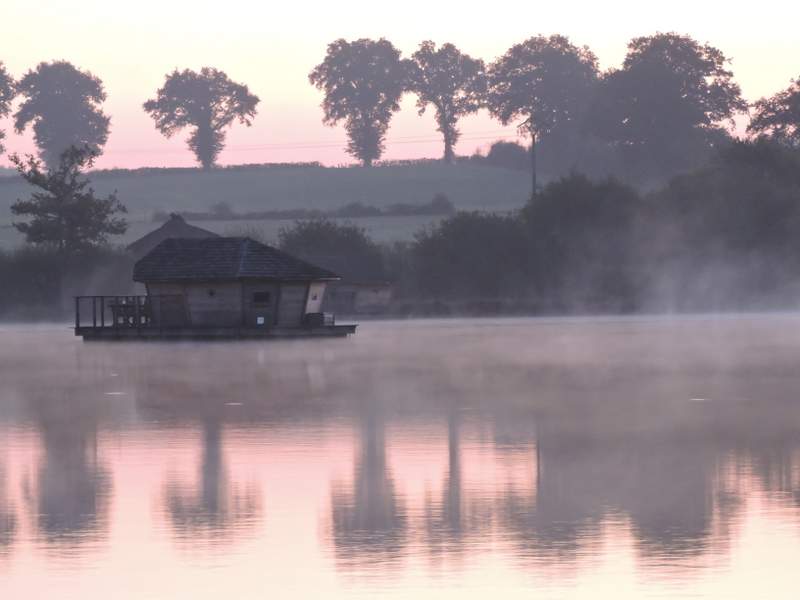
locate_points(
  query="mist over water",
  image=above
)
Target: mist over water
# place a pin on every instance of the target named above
(625, 457)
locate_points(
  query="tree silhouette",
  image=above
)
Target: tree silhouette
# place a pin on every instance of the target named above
(452, 82)
(779, 116)
(581, 242)
(209, 102)
(63, 103)
(363, 81)
(546, 82)
(671, 95)
(7, 94)
(66, 215)
(508, 155)
(343, 248)
(462, 254)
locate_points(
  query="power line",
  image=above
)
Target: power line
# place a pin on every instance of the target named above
(406, 140)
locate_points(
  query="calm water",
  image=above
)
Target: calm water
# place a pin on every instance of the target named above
(575, 458)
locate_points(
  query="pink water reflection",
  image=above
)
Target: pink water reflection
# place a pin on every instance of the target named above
(393, 465)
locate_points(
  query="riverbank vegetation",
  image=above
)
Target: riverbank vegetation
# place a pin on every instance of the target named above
(223, 211)
(723, 237)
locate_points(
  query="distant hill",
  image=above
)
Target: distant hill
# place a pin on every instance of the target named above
(7, 172)
(259, 188)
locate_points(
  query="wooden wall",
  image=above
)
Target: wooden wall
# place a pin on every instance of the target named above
(252, 310)
(218, 304)
(210, 303)
(232, 303)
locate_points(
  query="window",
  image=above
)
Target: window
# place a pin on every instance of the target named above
(261, 297)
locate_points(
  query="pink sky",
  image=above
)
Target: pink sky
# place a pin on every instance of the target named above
(272, 49)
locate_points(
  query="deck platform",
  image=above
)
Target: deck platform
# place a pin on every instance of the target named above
(163, 318)
(210, 333)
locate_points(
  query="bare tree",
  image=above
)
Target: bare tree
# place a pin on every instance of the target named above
(63, 103)
(208, 102)
(452, 82)
(779, 116)
(545, 81)
(363, 81)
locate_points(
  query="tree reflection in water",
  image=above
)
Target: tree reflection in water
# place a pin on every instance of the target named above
(8, 517)
(369, 520)
(74, 486)
(213, 511)
(455, 519)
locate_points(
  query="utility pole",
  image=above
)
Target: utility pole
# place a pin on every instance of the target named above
(533, 163)
(532, 131)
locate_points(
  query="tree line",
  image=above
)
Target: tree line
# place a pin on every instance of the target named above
(669, 106)
(63, 106)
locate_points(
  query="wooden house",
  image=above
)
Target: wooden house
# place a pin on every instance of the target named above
(215, 287)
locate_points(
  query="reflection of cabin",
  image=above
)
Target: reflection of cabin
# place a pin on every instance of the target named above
(362, 289)
(359, 297)
(174, 227)
(215, 287)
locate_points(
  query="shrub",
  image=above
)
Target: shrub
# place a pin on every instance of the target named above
(509, 155)
(471, 254)
(581, 242)
(345, 249)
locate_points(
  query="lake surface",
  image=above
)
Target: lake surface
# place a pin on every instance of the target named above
(530, 458)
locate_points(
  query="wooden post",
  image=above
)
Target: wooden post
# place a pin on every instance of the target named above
(94, 312)
(102, 311)
(243, 302)
(77, 312)
(305, 305)
(136, 312)
(278, 303)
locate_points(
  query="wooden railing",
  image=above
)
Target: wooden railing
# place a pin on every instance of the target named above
(137, 312)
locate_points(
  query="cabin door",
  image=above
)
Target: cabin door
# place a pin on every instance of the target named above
(292, 304)
(166, 305)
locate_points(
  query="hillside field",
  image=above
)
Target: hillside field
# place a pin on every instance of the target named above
(468, 186)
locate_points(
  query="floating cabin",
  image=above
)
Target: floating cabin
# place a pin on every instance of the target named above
(214, 287)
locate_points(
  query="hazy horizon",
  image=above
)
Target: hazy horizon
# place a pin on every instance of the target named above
(272, 50)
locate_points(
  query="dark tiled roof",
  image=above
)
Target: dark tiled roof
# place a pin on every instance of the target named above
(222, 258)
(175, 227)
